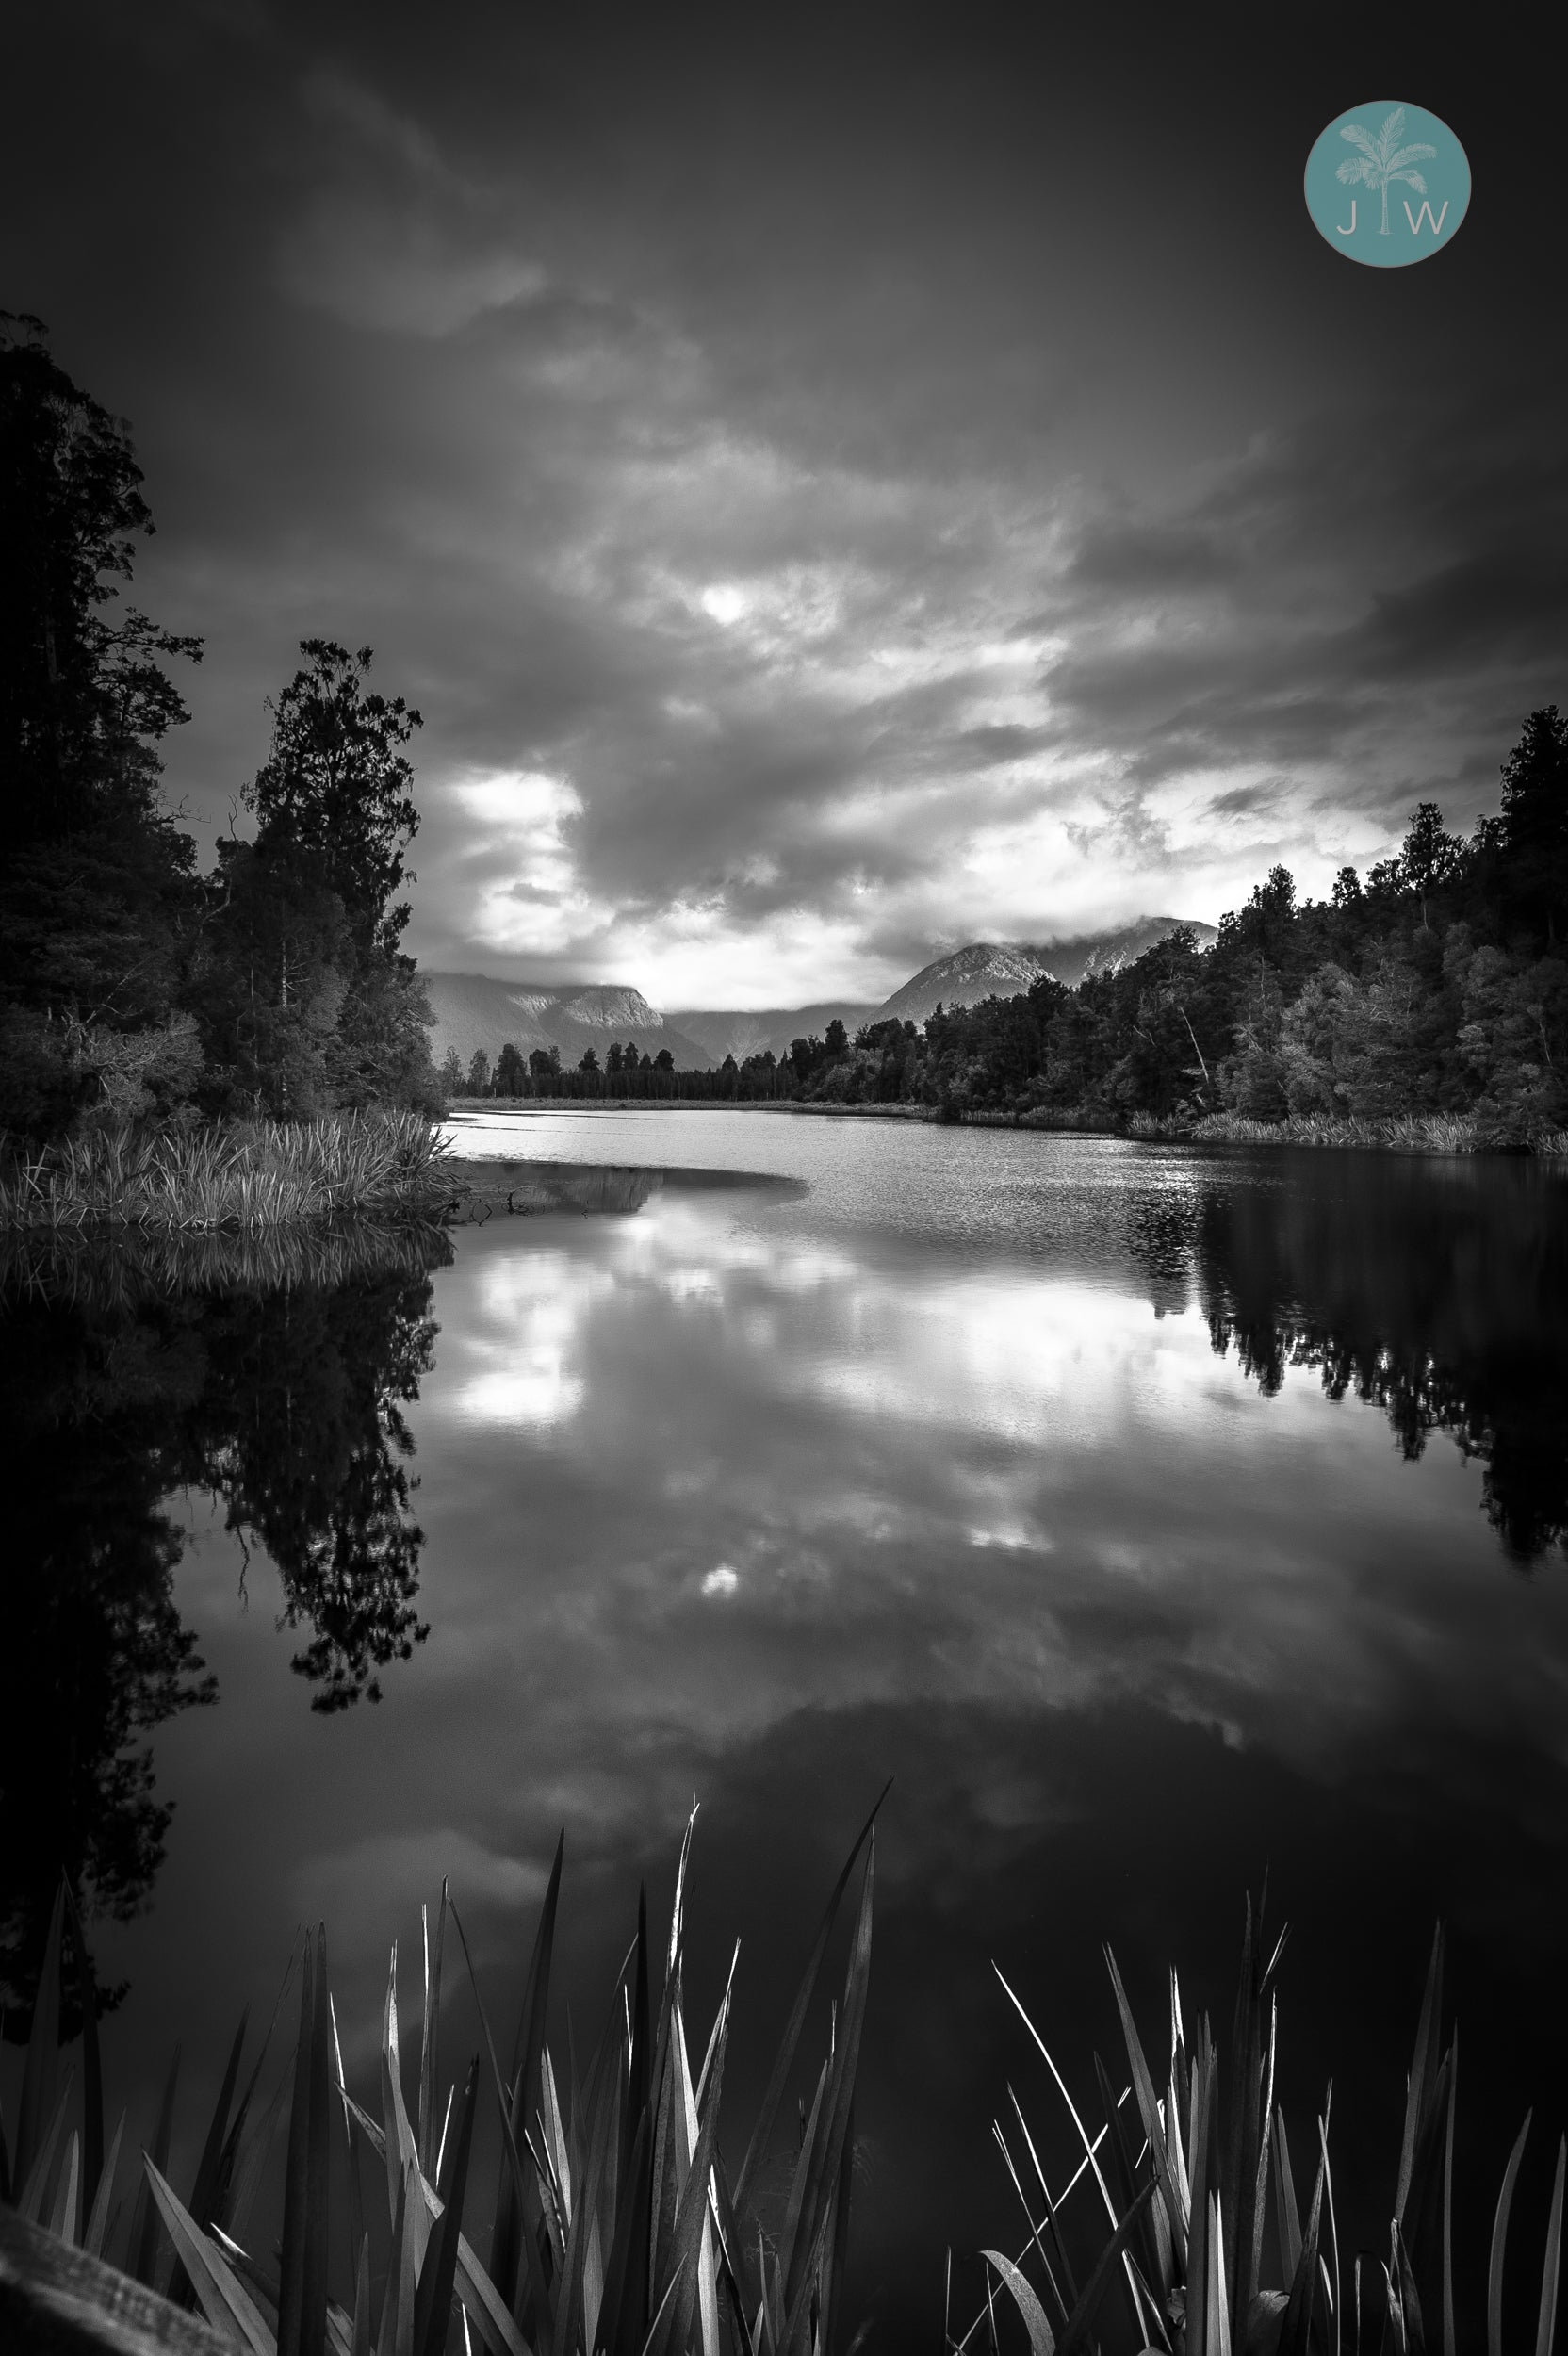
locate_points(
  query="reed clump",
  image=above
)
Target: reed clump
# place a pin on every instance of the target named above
(1409, 1133)
(617, 2224)
(241, 1178)
(1204, 2249)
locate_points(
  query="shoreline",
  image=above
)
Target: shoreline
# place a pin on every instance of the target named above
(1393, 1133)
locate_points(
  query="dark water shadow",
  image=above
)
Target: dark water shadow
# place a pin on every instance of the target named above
(1436, 1290)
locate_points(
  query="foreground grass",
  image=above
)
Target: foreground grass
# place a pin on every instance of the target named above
(617, 2225)
(244, 1178)
(1204, 2249)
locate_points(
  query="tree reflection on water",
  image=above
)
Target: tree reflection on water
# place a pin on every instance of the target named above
(1436, 1291)
(277, 1382)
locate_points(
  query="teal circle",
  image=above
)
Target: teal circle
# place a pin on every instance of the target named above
(1387, 184)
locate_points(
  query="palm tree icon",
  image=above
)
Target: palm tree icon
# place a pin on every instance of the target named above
(1382, 159)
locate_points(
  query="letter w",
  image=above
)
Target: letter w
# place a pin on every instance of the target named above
(1426, 213)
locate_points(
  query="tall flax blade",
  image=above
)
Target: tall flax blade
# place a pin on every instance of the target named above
(396, 2337)
(42, 2063)
(1423, 2072)
(511, 2160)
(1041, 2339)
(1499, 2240)
(667, 2118)
(222, 2296)
(93, 2065)
(1123, 2182)
(512, 2219)
(817, 2207)
(678, 2285)
(1287, 2214)
(1295, 2331)
(351, 2140)
(1080, 2322)
(428, 2037)
(1547, 2318)
(1143, 2086)
(302, 2281)
(1200, 2228)
(399, 2147)
(1249, 2092)
(623, 2317)
(490, 2316)
(433, 2306)
(144, 2234)
(204, 2196)
(33, 2197)
(784, 2062)
(64, 2211)
(96, 2231)
(581, 2287)
(639, 2060)
(837, 2255)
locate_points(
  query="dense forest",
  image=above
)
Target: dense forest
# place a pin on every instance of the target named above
(1435, 985)
(132, 983)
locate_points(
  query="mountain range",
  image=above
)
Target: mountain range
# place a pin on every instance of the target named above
(474, 1010)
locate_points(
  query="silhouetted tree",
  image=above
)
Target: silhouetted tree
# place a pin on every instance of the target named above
(336, 785)
(1533, 830)
(97, 891)
(83, 703)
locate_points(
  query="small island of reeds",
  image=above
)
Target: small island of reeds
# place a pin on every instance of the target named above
(240, 1177)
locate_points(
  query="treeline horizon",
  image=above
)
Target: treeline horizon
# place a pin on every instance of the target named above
(1436, 984)
(274, 985)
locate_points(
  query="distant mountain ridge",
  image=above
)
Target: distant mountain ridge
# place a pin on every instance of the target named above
(750, 1033)
(988, 969)
(475, 1010)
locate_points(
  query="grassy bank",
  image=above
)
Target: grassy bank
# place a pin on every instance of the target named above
(1408, 1133)
(242, 1178)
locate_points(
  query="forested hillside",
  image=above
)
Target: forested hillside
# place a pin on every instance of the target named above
(1435, 985)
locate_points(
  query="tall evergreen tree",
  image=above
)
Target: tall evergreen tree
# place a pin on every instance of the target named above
(337, 786)
(1532, 833)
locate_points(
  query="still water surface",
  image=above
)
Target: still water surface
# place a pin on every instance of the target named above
(1155, 1519)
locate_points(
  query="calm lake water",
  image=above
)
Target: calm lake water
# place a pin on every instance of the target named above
(1155, 1519)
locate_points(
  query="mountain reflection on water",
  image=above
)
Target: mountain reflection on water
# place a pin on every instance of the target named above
(1099, 1494)
(273, 1375)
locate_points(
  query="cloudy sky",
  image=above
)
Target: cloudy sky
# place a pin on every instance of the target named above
(839, 485)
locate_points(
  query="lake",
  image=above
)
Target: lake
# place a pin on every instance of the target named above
(1157, 1518)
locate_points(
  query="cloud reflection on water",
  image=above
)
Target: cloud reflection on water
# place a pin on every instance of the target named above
(938, 1471)
(1015, 1487)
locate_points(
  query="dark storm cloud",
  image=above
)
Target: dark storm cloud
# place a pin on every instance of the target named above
(822, 512)
(1363, 557)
